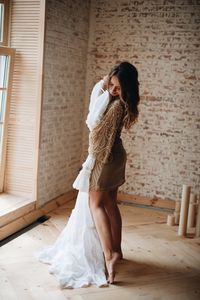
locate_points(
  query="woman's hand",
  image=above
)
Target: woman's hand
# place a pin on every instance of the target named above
(105, 79)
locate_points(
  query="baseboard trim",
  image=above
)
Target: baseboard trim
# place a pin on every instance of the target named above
(147, 201)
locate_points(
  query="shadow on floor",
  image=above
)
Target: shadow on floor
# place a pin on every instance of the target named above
(134, 273)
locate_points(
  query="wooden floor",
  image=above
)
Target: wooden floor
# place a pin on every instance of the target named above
(158, 264)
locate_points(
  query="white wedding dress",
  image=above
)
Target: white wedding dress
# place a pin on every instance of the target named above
(76, 258)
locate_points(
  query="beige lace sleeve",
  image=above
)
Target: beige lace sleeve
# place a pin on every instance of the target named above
(102, 137)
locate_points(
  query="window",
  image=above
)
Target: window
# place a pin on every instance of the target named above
(6, 70)
(4, 22)
(20, 109)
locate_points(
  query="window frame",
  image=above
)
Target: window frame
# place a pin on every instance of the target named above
(11, 53)
(6, 22)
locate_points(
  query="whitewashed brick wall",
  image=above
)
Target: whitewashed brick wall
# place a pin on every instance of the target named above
(64, 93)
(162, 38)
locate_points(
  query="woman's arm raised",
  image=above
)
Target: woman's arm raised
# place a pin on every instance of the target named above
(99, 100)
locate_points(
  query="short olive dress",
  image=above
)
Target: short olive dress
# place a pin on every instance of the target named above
(106, 144)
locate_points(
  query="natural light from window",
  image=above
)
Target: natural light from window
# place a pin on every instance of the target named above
(3, 88)
(1, 21)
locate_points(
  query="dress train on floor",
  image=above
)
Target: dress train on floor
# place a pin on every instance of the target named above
(76, 258)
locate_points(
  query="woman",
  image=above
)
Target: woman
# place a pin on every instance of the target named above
(92, 237)
(109, 169)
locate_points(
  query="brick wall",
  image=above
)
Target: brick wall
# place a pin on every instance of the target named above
(66, 42)
(162, 38)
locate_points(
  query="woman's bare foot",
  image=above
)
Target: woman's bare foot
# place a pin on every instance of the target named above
(110, 265)
(119, 251)
(120, 255)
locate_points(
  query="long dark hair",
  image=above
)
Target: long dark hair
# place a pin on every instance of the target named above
(127, 75)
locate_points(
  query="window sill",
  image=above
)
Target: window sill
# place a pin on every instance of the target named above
(13, 207)
(18, 212)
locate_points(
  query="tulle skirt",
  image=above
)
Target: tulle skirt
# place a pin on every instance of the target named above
(76, 258)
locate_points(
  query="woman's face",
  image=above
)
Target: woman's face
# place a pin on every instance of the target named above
(114, 87)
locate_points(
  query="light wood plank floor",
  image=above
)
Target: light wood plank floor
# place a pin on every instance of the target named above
(158, 264)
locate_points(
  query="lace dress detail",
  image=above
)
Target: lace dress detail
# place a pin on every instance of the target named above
(102, 137)
(106, 144)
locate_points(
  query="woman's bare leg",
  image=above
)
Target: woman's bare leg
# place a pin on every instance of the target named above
(115, 220)
(102, 223)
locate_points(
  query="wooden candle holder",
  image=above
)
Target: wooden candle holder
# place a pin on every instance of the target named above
(184, 210)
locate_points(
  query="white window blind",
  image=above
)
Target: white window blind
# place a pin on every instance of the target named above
(26, 36)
